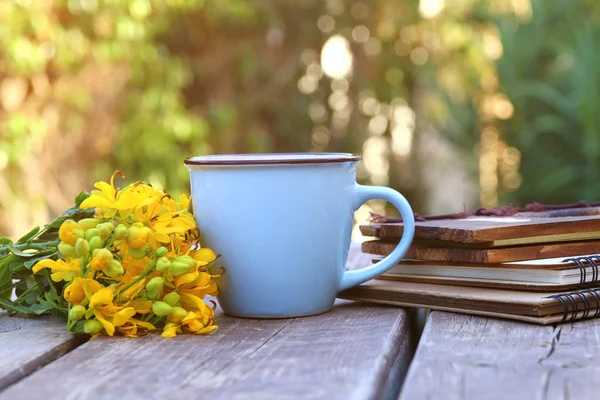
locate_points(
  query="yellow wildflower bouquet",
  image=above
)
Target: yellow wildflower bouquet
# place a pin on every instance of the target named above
(119, 262)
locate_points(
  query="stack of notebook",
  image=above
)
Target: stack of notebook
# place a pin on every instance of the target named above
(525, 267)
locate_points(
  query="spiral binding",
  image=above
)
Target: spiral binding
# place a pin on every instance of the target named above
(572, 313)
(592, 261)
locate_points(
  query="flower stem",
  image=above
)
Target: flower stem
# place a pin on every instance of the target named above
(27, 246)
(136, 280)
(11, 307)
(22, 295)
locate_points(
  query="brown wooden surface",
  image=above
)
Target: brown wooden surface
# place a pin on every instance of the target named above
(355, 351)
(28, 344)
(484, 229)
(495, 255)
(467, 357)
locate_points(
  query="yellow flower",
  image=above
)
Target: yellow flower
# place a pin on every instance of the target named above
(100, 259)
(192, 287)
(61, 270)
(198, 323)
(109, 315)
(134, 328)
(138, 235)
(204, 256)
(81, 290)
(141, 306)
(111, 199)
(69, 232)
(171, 330)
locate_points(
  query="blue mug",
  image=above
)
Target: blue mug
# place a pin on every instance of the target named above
(282, 224)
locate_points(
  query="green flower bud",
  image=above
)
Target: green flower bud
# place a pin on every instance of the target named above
(171, 298)
(95, 243)
(90, 233)
(106, 229)
(92, 326)
(76, 313)
(163, 264)
(88, 223)
(155, 284)
(178, 268)
(133, 232)
(138, 254)
(82, 248)
(66, 250)
(177, 315)
(120, 232)
(161, 309)
(161, 251)
(151, 294)
(187, 260)
(114, 269)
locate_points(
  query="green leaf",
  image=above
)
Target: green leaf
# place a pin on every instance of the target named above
(5, 275)
(57, 222)
(20, 253)
(4, 241)
(80, 198)
(29, 235)
(41, 307)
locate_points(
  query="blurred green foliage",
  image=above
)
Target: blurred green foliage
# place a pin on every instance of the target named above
(139, 85)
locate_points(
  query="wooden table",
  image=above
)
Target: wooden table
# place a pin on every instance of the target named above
(356, 351)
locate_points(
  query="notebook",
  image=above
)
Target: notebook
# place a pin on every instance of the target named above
(551, 274)
(486, 255)
(493, 231)
(535, 307)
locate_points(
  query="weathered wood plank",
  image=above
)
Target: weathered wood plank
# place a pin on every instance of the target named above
(355, 351)
(28, 344)
(468, 357)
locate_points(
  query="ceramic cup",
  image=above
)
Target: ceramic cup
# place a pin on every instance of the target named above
(282, 224)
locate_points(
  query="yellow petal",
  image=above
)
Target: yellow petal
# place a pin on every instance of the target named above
(47, 263)
(133, 290)
(74, 293)
(184, 201)
(143, 324)
(123, 316)
(191, 302)
(102, 297)
(204, 254)
(207, 329)
(142, 306)
(107, 189)
(90, 286)
(125, 201)
(170, 330)
(184, 279)
(95, 202)
(162, 237)
(108, 327)
(58, 276)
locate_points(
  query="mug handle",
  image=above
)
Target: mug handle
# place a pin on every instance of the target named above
(361, 195)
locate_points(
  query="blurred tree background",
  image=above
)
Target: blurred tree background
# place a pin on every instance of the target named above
(456, 103)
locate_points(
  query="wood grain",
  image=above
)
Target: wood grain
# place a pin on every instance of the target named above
(468, 357)
(485, 229)
(486, 256)
(28, 344)
(346, 353)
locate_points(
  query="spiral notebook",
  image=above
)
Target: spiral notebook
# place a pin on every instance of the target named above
(534, 307)
(549, 274)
